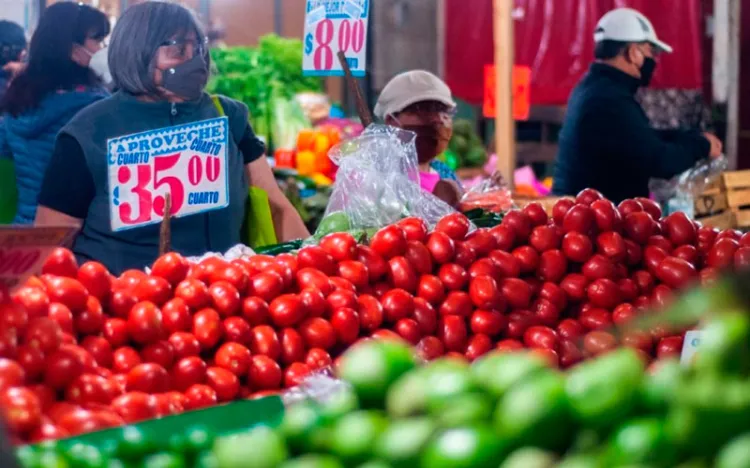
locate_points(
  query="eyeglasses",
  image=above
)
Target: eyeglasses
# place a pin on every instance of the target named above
(178, 48)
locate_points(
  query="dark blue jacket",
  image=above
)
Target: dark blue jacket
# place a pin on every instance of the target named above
(607, 142)
(30, 138)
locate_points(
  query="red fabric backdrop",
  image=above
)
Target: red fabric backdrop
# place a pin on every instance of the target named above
(555, 38)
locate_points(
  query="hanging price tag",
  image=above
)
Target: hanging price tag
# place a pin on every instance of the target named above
(187, 161)
(521, 92)
(24, 249)
(690, 347)
(332, 26)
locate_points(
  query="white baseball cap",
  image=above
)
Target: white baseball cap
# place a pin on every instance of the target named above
(628, 25)
(411, 87)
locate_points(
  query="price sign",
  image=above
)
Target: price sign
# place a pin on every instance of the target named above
(187, 161)
(24, 249)
(332, 26)
(690, 347)
(521, 92)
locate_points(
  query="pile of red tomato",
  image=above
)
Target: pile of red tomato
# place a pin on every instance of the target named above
(82, 350)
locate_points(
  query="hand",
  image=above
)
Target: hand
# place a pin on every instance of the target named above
(716, 146)
(14, 68)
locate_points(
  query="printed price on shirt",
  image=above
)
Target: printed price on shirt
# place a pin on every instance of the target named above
(187, 161)
(332, 26)
(23, 250)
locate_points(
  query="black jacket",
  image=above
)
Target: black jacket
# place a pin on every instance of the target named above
(607, 142)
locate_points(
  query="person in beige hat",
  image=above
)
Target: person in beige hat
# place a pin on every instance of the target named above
(421, 102)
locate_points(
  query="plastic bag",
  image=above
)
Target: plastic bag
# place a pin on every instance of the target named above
(679, 192)
(377, 183)
(491, 194)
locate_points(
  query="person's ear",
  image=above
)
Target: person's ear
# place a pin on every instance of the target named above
(634, 55)
(390, 120)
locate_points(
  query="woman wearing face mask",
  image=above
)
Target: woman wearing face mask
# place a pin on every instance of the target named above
(422, 103)
(54, 85)
(160, 133)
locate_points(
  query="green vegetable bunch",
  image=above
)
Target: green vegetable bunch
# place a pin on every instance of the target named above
(467, 145)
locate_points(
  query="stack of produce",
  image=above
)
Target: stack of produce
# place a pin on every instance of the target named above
(81, 350)
(465, 148)
(266, 78)
(310, 155)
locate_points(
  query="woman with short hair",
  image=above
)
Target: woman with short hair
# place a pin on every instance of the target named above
(54, 85)
(160, 133)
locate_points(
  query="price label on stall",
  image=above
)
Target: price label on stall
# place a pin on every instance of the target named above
(332, 26)
(521, 92)
(187, 161)
(690, 347)
(24, 249)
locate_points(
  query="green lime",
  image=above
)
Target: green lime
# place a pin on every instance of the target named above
(337, 221)
(661, 385)
(497, 372)
(206, 459)
(313, 461)
(177, 443)
(725, 344)
(466, 409)
(464, 447)
(447, 380)
(300, 420)
(407, 396)
(640, 441)
(85, 456)
(580, 461)
(402, 442)
(535, 413)
(164, 460)
(353, 436)
(529, 458)
(735, 454)
(133, 444)
(198, 439)
(375, 464)
(50, 459)
(27, 456)
(117, 463)
(373, 366)
(259, 448)
(340, 403)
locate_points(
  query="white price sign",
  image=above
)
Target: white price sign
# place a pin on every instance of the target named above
(23, 250)
(690, 346)
(332, 26)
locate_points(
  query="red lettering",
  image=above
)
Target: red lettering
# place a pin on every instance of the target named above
(323, 56)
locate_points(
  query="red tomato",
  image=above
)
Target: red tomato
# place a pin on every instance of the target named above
(268, 285)
(546, 312)
(128, 280)
(612, 245)
(633, 253)
(431, 289)
(650, 206)
(536, 213)
(342, 298)
(295, 374)
(345, 323)
(265, 341)
(570, 329)
(580, 218)
(200, 396)
(560, 209)
(623, 314)
(44, 334)
(401, 274)
(552, 266)
(47, 431)
(409, 330)
(339, 245)
(370, 313)
(397, 304)
(419, 257)
(265, 373)
(606, 216)
(629, 206)
(595, 319)
(430, 347)
(11, 374)
(588, 196)
(237, 329)
(172, 266)
(457, 303)
(603, 293)
(519, 223)
(68, 291)
(516, 292)
(478, 346)
(61, 262)
(485, 293)
(680, 229)
(8, 343)
(639, 226)
(499, 264)
(504, 237)
(389, 242)
(135, 406)
(175, 315)
(453, 277)
(376, 265)
(544, 238)
(540, 337)
(32, 360)
(34, 300)
(255, 310)
(225, 383)
(669, 346)
(355, 272)
(661, 242)
(487, 322)
(687, 253)
(292, 346)
(115, 330)
(481, 241)
(452, 332)
(90, 320)
(184, 344)
(441, 247)
(169, 403)
(14, 317)
(628, 289)
(528, 259)
(465, 255)
(599, 342)
(63, 366)
(414, 228)
(149, 378)
(286, 310)
(237, 276)
(161, 353)
(508, 345)
(313, 302)
(644, 280)
(577, 247)
(187, 372)
(318, 333)
(21, 408)
(315, 257)
(574, 286)
(207, 328)
(124, 359)
(708, 276)
(598, 267)
(662, 296)
(675, 272)
(425, 315)
(569, 353)
(225, 298)
(145, 323)
(455, 225)
(120, 303)
(154, 289)
(100, 349)
(721, 255)
(742, 258)
(340, 284)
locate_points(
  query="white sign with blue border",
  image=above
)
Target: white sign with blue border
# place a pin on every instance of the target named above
(332, 26)
(187, 161)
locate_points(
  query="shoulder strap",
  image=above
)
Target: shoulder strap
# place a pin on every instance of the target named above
(217, 104)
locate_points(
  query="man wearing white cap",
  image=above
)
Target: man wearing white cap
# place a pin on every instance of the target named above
(421, 102)
(606, 141)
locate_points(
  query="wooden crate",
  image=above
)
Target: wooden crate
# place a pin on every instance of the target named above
(737, 187)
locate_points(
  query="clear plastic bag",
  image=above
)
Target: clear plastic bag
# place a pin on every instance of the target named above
(491, 194)
(679, 192)
(377, 182)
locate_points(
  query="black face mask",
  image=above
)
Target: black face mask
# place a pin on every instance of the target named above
(431, 140)
(187, 79)
(647, 71)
